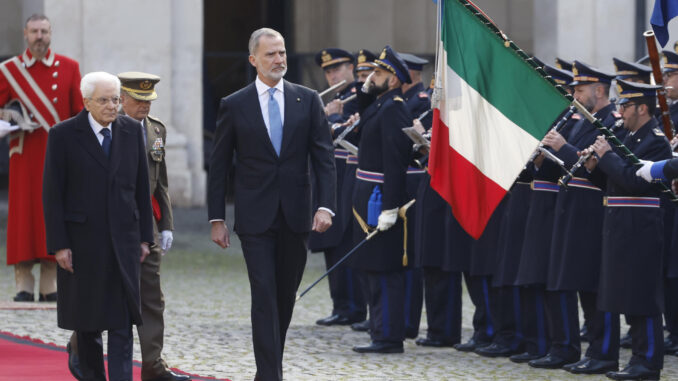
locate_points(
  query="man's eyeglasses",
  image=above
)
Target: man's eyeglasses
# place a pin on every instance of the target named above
(104, 101)
(624, 106)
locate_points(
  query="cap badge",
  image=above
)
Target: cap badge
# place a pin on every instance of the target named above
(325, 56)
(145, 85)
(383, 54)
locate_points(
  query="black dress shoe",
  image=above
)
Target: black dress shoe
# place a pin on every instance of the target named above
(524, 357)
(74, 363)
(380, 347)
(24, 296)
(363, 326)
(495, 350)
(551, 362)
(429, 342)
(670, 346)
(625, 341)
(634, 372)
(588, 365)
(171, 376)
(51, 297)
(471, 345)
(334, 320)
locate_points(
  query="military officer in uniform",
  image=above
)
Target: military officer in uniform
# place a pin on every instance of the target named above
(631, 280)
(137, 93)
(364, 67)
(631, 71)
(670, 71)
(536, 243)
(348, 304)
(379, 191)
(574, 258)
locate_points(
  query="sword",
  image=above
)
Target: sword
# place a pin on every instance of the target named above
(401, 212)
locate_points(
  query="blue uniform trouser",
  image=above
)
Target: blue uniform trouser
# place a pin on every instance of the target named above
(414, 301)
(443, 304)
(507, 315)
(479, 292)
(386, 303)
(562, 320)
(534, 320)
(604, 336)
(671, 306)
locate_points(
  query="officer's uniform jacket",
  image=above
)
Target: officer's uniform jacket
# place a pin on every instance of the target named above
(384, 156)
(574, 259)
(631, 280)
(156, 135)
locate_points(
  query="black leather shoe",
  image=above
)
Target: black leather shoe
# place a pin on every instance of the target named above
(634, 372)
(471, 345)
(24, 296)
(524, 357)
(429, 342)
(670, 346)
(363, 326)
(171, 376)
(74, 363)
(625, 341)
(495, 350)
(334, 320)
(380, 347)
(52, 297)
(551, 362)
(588, 365)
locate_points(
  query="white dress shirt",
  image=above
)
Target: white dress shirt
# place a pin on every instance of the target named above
(96, 127)
(264, 95)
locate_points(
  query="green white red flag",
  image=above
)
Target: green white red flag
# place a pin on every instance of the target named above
(492, 110)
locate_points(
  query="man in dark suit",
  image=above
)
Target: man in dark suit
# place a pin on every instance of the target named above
(274, 127)
(98, 220)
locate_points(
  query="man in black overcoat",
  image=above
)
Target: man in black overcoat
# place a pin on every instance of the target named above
(98, 219)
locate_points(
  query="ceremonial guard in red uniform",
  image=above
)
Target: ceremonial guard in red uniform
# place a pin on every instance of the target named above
(47, 85)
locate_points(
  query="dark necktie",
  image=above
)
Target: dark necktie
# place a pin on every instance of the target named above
(106, 143)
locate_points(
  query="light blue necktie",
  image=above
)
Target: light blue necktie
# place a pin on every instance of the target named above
(274, 121)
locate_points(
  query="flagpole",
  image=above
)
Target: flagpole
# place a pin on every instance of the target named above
(609, 135)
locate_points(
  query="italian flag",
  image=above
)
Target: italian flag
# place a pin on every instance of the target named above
(493, 110)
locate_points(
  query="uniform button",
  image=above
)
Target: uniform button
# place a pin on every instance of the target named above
(56, 63)
(54, 86)
(54, 100)
(30, 116)
(55, 74)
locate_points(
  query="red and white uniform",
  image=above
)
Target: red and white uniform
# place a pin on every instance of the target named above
(58, 78)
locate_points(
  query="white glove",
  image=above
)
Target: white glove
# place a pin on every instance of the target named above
(387, 219)
(644, 171)
(166, 241)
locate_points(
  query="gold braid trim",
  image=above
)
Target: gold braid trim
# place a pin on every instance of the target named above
(404, 217)
(363, 225)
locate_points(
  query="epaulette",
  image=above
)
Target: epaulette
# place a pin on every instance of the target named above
(576, 116)
(657, 132)
(154, 119)
(616, 114)
(398, 99)
(423, 94)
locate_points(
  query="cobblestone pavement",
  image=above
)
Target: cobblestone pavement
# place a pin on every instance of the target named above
(208, 327)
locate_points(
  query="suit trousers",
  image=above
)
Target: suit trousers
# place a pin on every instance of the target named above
(442, 294)
(91, 353)
(414, 301)
(151, 333)
(562, 320)
(387, 323)
(275, 264)
(479, 292)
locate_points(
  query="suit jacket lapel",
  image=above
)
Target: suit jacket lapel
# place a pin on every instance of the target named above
(88, 141)
(293, 107)
(255, 118)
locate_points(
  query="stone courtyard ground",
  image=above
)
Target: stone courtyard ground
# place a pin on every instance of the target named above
(208, 328)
